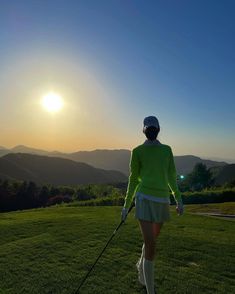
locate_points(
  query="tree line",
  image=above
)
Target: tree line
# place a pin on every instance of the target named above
(197, 187)
(18, 195)
(199, 179)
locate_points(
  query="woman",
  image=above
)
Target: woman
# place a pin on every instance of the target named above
(152, 173)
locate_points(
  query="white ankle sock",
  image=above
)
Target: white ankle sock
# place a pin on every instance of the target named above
(140, 267)
(142, 256)
(148, 266)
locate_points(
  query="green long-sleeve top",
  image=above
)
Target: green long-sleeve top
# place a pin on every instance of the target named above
(152, 172)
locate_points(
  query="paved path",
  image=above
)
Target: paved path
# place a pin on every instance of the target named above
(224, 216)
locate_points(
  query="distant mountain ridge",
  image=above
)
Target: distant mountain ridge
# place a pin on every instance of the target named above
(113, 159)
(223, 174)
(25, 149)
(53, 170)
(185, 163)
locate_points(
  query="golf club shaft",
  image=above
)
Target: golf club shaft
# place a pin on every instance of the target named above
(114, 232)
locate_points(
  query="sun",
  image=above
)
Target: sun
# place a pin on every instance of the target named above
(52, 102)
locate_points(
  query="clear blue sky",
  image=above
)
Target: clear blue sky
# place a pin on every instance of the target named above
(114, 62)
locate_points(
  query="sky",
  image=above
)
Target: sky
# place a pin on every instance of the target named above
(113, 63)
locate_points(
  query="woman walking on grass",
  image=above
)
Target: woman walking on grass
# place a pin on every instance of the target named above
(152, 173)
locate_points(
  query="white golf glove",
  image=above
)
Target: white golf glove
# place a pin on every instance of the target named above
(124, 213)
(180, 207)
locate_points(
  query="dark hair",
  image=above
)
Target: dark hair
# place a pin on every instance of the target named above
(151, 133)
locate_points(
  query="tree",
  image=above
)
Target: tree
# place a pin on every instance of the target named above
(43, 196)
(199, 178)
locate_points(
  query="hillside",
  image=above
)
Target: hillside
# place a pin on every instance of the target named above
(53, 170)
(106, 159)
(4, 151)
(113, 159)
(224, 174)
(185, 164)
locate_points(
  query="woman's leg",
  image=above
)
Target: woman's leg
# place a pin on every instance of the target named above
(148, 261)
(156, 229)
(150, 232)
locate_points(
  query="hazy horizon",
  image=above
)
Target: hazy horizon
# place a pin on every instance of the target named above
(228, 160)
(105, 65)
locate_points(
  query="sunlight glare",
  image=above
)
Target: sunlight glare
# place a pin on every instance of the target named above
(52, 102)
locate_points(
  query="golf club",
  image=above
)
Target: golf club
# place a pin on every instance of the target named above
(114, 232)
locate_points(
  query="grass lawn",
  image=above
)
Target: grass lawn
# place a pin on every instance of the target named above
(49, 250)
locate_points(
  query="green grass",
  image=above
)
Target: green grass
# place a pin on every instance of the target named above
(49, 250)
(222, 208)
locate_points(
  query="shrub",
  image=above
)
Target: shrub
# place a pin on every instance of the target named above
(58, 199)
(207, 196)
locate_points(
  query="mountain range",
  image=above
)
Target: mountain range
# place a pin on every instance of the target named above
(53, 170)
(112, 159)
(83, 167)
(223, 174)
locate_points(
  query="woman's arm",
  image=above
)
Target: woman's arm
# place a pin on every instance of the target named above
(172, 179)
(133, 178)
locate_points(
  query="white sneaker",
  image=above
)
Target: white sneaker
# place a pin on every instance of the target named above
(140, 273)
